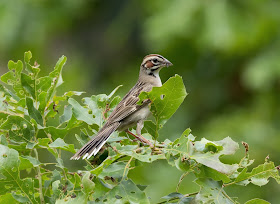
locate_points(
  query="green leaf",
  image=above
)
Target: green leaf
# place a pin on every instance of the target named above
(33, 112)
(10, 176)
(257, 201)
(101, 188)
(150, 127)
(208, 153)
(211, 192)
(32, 70)
(55, 176)
(109, 160)
(3, 140)
(96, 108)
(20, 130)
(43, 84)
(88, 185)
(259, 175)
(55, 189)
(205, 152)
(25, 164)
(13, 78)
(60, 144)
(206, 172)
(32, 160)
(165, 99)
(56, 132)
(82, 138)
(73, 93)
(8, 198)
(80, 112)
(43, 102)
(27, 56)
(126, 192)
(56, 77)
(28, 84)
(67, 114)
(114, 91)
(115, 170)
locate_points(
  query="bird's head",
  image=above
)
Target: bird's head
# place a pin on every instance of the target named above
(153, 63)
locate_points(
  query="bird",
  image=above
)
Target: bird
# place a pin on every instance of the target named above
(128, 112)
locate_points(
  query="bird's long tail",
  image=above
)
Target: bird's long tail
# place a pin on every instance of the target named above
(95, 144)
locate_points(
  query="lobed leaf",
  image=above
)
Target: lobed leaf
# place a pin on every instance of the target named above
(208, 153)
(80, 112)
(10, 181)
(259, 175)
(204, 152)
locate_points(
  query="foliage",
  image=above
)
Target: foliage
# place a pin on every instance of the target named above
(32, 125)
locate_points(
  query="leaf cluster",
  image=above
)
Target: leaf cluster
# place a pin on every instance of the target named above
(35, 121)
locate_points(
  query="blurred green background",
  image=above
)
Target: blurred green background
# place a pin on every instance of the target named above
(226, 51)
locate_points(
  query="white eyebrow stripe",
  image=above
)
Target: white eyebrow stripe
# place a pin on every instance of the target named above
(152, 57)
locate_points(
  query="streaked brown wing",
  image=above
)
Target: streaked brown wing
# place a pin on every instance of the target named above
(128, 104)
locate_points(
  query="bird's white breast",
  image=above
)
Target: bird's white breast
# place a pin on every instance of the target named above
(132, 119)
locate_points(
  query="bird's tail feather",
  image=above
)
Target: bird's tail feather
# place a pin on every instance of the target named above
(95, 144)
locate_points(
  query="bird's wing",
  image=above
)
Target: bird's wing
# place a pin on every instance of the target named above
(128, 104)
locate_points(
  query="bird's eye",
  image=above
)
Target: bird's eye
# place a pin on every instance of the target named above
(155, 60)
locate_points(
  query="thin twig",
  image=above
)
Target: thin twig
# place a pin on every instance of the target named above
(126, 167)
(40, 179)
(11, 113)
(87, 161)
(181, 179)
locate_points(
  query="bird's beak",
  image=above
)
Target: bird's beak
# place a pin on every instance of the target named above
(168, 63)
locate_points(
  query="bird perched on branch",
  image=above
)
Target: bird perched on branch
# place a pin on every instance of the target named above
(128, 113)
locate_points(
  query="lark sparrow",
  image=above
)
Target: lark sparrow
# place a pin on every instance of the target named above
(128, 113)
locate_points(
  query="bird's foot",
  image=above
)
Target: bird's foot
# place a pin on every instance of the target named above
(141, 139)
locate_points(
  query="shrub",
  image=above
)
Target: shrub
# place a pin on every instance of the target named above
(32, 126)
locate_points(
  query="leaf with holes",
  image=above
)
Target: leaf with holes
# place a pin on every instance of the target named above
(56, 77)
(211, 192)
(208, 153)
(204, 152)
(13, 78)
(259, 175)
(115, 170)
(165, 99)
(125, 192)
(20, 129)
(109, 160)
(80, 112)
(10, 181)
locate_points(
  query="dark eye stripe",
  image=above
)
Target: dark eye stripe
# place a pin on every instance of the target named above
(155, 61)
